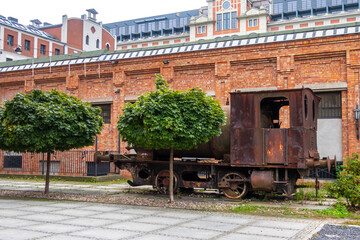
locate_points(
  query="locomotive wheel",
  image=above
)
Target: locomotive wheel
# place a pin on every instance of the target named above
(162, 181)
(237, 189)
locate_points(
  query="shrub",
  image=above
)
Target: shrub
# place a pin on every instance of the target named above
(348, 183)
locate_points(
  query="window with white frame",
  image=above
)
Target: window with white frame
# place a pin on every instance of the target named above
(201, 29)
(292, 6)
(320, 3)
(335, 2)
(225, 21)
(253, 23)
(305, 4)
(278, 8)
(233, 20)
(122, 30)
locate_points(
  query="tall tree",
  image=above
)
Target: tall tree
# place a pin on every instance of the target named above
(171, 119)
(45, 122)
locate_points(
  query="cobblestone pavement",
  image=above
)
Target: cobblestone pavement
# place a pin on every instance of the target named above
(29, 219)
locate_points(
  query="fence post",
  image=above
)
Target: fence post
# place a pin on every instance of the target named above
(43, 164)
(96, 149)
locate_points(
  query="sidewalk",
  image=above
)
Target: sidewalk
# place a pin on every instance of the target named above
(52, 220)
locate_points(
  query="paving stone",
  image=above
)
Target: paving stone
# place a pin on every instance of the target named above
(12, 213)
(54, 228)
(157, 237)
(15, 234)
(277, 224)
(38, 209)
(136, 226)
(45, 217)
(75, 212)
(103, 208)
(67, 205)
(235, 236)
(240, 219)
(179, 214)
(11, 205)
(102, 233)
(272, 232)
(116, 216)
(203, 224)
(88, 222)
(190, 233)
(14, 223)
(139, 211)
(62, 237)
(161, 220)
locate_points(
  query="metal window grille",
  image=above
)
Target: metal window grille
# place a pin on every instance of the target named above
(330, 105)
(105, 112)
(12, 160)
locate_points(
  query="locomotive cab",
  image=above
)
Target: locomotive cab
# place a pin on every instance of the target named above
(274, 134)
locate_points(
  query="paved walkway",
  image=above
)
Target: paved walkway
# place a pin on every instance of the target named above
(10, 184)
(51, 220)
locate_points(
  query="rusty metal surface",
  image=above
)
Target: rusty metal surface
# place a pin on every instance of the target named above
(256, 137)
(274, 146)
(263, 180)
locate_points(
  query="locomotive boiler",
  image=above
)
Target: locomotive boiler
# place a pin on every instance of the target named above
(268, 142)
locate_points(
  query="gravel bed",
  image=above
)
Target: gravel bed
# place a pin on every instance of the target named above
(335, 232)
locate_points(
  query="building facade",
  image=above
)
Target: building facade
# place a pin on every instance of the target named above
(73, 35)
(325, 58)
(232, 17)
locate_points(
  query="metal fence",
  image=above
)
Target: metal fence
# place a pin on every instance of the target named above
(324, 173)
(79, 163)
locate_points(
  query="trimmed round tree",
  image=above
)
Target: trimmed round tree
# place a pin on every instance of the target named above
(171, 119)
(45, 122)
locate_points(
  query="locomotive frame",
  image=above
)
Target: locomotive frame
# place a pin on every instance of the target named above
(268, 142)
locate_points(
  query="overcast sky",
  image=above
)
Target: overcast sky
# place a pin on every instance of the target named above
(109, 11)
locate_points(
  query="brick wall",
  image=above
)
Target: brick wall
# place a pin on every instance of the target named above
(282, 65)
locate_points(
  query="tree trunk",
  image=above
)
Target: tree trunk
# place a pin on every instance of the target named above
(171, 173)
(47, 178)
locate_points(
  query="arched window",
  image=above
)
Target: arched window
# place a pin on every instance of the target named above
(97, 43)
(87, 40)
(107, 46)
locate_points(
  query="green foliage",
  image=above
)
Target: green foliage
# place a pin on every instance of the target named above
(337, 210)
(168, 118)
(309, 194)
(46, 122)
(348, 183)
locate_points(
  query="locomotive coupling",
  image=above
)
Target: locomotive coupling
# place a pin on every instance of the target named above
(98, 157)
(321, 163)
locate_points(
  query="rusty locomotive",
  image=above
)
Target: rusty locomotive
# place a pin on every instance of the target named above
(268, 142)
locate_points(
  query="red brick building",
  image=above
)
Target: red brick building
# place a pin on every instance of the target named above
(73, 35)
(323, 58)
